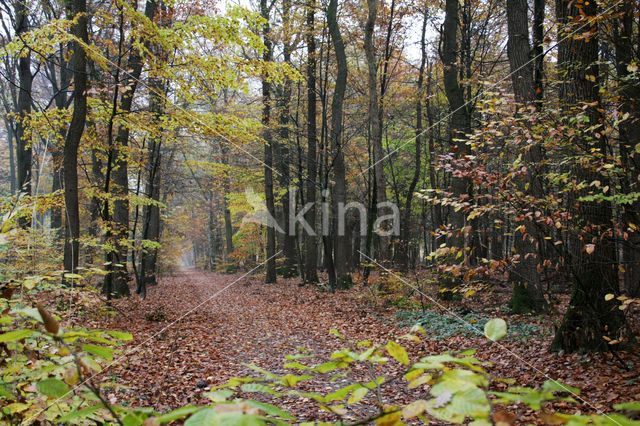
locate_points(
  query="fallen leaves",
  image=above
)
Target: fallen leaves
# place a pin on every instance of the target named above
(253, 323)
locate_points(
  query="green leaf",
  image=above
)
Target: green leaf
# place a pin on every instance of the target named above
(495, 329)
(628, 406)
(219, 396)
(120, 335)
(100, 351)
(178, 413)
(398, 352)
(257, 387)
(14, 336)
(357, 395)
(204, 417)
(553, 385)
(53, 388)
(327, 366)
(79, 413)
(271, 410)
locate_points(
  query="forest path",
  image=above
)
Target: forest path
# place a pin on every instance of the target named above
(240, 320)
(248, 322)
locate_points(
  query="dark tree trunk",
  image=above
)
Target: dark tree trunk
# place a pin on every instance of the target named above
(375, 117)
(527, 290)
(75, 8)
(25, 81)
(310, 241)
(629, 139)
(151, 212)
(271, 275)
(121, 170)
(228, 226)
(343, 279)
(289, 268)
(589, 317)
(460, 121)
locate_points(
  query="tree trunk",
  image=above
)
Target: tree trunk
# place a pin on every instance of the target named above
(589, 317)
(121, 171)
(343, 279)
(310, 241)
(460, 118)
(25, 81)
(405, 222)
(527, 290)
(75, 9)
(375, 115)
(60, 98)
(629, 139)
(460, 121)
(271, 275)
(289, 268)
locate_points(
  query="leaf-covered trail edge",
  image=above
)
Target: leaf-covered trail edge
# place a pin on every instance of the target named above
(257, 323)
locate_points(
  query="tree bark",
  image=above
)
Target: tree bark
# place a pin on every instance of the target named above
(527, 290)
(310, 241)
(343, 279)
(589, 317)
(25, 81)
(75, 9)
(460, 121)
(271, 274)
(289, 268)
(629, 138)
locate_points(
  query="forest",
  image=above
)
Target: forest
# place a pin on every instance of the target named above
(320, 212)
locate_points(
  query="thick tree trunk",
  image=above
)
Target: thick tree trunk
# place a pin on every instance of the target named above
(629, 139)
(527, 290)
(589, 317)
(25, 81)
(310, 240)
(343, 279)
(271, 275)
(460, 121)
(76, 8)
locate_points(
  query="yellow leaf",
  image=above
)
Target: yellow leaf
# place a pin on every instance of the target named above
(357, 395)
(414, 409)
(609, 297)
(398, 352)
(425, 378)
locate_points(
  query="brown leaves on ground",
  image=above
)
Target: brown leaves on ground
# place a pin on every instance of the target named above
(190, 334)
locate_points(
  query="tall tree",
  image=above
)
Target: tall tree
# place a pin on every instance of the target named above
(460, 119)
(629, 138)
(267, 135)
(76, 9)
(402, 250)
(25, 81)
(289, 237)
(311, 244)
(375, 115)
(120, 155)
(589, 316)
(527, 290)
(339, 196)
